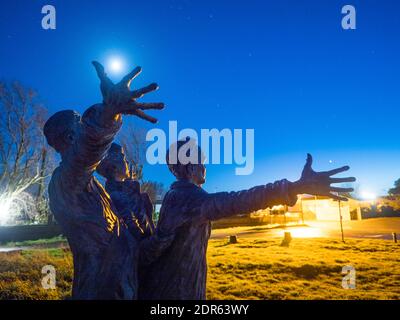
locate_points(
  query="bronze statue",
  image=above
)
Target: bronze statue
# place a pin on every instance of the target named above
(133, 207)
(180, 272)
(103, 250)
(111, 235)
(134, 210)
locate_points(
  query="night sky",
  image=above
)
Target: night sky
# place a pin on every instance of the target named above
(285, 68)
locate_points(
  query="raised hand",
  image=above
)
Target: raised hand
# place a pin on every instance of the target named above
(319, 183)
(119, 99)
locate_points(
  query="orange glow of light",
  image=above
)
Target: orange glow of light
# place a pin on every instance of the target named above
(305, 232)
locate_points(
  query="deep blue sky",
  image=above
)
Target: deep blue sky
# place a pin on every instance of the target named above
(284, 68)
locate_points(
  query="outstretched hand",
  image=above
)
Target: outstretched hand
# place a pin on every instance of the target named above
(319, 183)
(119, 99)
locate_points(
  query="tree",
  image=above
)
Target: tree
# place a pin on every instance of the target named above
(155, 190)
(396, 190)
(24, 155)
(132, 139)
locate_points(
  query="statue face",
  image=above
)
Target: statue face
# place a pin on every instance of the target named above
(120, 167)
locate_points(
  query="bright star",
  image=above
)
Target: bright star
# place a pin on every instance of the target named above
(115, 65)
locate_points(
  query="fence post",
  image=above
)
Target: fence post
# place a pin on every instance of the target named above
(286, 239)
(232, 239)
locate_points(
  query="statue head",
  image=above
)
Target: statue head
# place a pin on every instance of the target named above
(61, 130)
(186, 161)
(114, 166)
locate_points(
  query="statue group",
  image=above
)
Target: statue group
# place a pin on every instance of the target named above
(118, 251)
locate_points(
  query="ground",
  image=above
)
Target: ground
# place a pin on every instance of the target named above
(307, 269)
(257, 267)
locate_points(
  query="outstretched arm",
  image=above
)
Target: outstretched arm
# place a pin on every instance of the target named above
(225, 204)
(101, 122)
(284, 192)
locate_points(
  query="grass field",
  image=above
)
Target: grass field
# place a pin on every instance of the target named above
(250, 269)
(308, 269)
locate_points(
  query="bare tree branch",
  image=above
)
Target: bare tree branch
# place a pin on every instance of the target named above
(21, 140)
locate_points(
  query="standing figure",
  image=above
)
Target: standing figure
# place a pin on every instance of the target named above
(103, 251)
(135, 211)
(180, 272)
(124, 190)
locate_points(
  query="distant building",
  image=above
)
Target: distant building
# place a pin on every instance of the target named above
(312, 208)
(327, 209)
